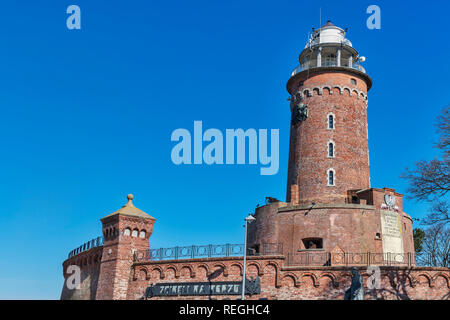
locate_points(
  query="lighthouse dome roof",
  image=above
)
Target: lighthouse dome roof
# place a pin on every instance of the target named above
(328, 33)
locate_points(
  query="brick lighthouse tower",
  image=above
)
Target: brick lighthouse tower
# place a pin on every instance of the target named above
(331, 209)
(328, 153)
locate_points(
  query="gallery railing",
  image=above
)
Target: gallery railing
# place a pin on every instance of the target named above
(96, 242)
(318, 258)
(207, 251)
(332, 63)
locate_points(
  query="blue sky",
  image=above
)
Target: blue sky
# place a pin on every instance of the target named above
(87, 114)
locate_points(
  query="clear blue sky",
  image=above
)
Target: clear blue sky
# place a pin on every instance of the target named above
(86, 116)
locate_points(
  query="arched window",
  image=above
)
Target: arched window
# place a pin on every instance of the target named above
(127, 232)
(331, 120)
(331, 175)
(142, 234)
(330, 149)
(135, 233)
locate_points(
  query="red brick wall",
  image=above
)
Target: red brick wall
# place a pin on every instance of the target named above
(308, 161)
(283, 283)
(348, 227)
(265, 228)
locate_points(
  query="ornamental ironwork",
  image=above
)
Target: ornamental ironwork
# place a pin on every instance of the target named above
(207, 251)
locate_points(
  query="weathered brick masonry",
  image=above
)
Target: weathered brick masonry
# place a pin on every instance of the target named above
(332, 218)
(292, 283)
(277, 281)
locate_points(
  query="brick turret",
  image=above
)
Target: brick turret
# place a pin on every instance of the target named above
(125, 231)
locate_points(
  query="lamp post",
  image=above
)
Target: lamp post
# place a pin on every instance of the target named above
(248, 220)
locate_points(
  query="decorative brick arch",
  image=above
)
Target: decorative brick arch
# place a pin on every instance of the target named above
(330, 90)
(349, 91)
(223, 266)
(312, 276)
(258, 267)
(139, 271)
(406, 277)
(175, 269)
(331, 276)
(341, 91)
(443, 275)
(190, 268)
(426, 275)
(237, 264)
(319, 90)
(277, 272)
(204, 266)
(293, 276)
(162, 275)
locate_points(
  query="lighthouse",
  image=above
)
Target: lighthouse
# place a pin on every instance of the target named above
(331, 209)
(328, 151)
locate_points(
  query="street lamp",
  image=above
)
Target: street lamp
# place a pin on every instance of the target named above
(248, 220)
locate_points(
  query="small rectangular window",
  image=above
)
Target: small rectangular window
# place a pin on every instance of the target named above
(313, 243)
(331, 178)
(330, 122)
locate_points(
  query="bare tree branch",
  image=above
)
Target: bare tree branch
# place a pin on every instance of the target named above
(428, 180)
(436, 247)
(440, 213)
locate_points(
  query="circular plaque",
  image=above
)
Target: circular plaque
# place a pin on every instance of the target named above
(389, 200)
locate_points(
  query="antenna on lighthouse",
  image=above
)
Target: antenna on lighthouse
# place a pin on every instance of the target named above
(320, 18)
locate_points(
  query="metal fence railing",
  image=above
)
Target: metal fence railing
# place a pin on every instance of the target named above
(207, 251)
(96, 242)
(319, 258)
(327, 63)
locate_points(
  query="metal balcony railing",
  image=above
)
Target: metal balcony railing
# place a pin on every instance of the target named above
(206, 251)
(323, 258)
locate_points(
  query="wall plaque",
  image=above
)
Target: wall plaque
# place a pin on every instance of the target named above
(203, 288)
(391, 229)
